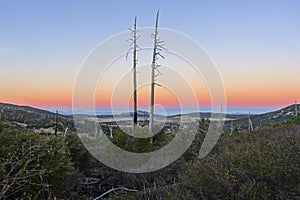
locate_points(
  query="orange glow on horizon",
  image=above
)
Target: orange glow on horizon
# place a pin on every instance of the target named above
(248, 97)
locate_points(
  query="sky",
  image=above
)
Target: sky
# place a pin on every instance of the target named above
(255, 45)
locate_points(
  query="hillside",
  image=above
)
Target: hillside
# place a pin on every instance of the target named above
(253, 165)
(30, 117)
(279, 116)
(38, 118)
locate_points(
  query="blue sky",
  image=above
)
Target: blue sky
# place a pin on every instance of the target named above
(255, 44)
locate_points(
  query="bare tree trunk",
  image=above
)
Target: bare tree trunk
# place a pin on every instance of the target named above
(134, 75)
(134, 46)
(154, 58)
(114, 189)
(56, 123)
(151, 101)
(250, 126)
(296, 109)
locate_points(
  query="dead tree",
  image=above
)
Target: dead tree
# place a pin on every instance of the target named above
(111, 131)
(296, 109)
(231, 127)
(250, 125)
(113, 190)
(157, 49)
(56, 123)
(134, 47)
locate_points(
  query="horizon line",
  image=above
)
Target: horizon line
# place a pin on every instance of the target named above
(170, 111)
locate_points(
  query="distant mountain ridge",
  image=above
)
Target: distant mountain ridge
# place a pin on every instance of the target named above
(207, 115)
(7, 106)
(32, 117)
(278, 116)
(39, 117)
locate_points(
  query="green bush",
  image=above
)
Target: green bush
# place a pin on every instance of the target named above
(32, 166)
(263, 164)
(260, 165)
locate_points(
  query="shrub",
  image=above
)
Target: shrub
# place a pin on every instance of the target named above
(31, 165)
(260, 165)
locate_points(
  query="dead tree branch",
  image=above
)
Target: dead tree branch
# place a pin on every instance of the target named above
(114, 189)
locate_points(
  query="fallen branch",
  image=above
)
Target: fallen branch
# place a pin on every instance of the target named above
(114, 189)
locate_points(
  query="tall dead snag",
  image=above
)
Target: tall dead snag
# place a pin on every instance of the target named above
(296, 109)
(250, 125)
(134, 47)
(56, 123)
(157, 49)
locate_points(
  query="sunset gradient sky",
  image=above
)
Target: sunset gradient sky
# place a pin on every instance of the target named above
(254, 44)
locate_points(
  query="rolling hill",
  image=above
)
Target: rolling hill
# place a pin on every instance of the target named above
(30, 117)
(278, 116)
(37, 118)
